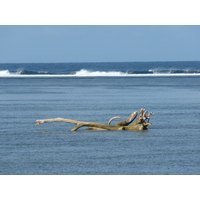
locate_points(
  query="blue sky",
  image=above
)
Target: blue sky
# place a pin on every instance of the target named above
(26, 44)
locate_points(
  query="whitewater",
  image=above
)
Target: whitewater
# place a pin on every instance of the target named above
(87, 73)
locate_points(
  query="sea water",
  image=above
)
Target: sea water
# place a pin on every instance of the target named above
(96, 92)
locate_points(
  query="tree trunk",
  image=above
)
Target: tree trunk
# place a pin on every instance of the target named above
(140, 124)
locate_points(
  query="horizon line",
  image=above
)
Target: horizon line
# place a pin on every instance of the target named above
(95, 62)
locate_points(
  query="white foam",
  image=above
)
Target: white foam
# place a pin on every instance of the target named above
(4, 73)
(86, 73)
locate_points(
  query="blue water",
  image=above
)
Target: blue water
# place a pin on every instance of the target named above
(170, 146)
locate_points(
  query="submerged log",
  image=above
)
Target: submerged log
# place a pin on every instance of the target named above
(140, 124)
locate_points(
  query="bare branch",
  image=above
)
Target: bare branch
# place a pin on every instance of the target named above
(113, 119)
(128, 120)
(131, 118)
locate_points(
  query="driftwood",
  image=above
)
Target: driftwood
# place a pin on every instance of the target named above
(141, 123)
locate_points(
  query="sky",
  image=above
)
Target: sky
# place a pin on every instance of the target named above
(98, 43)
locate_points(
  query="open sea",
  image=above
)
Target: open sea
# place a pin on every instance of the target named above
(96, 92)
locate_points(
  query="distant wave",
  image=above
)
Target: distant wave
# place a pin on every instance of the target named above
(174, 71)
(88, 73)
(84, 72)
(20, 72)
(4, 73)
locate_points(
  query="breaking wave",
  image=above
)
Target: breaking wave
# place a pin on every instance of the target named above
(4, 73)
(84, 72)
(20, 72)
(174, 71)
(89, 73)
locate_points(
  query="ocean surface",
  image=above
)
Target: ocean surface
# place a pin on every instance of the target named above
(96, 92)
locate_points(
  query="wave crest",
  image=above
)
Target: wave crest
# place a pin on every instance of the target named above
(84, 72)
(174, 71)
(4, 73)
(89, 73)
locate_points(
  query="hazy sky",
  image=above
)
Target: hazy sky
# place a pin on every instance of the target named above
(25, 44)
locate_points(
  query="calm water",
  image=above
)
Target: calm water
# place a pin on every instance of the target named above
(170, 146)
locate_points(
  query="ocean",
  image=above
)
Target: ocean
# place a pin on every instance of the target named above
(97, 92)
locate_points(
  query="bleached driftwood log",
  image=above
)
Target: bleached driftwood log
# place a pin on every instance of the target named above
(140, 124)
